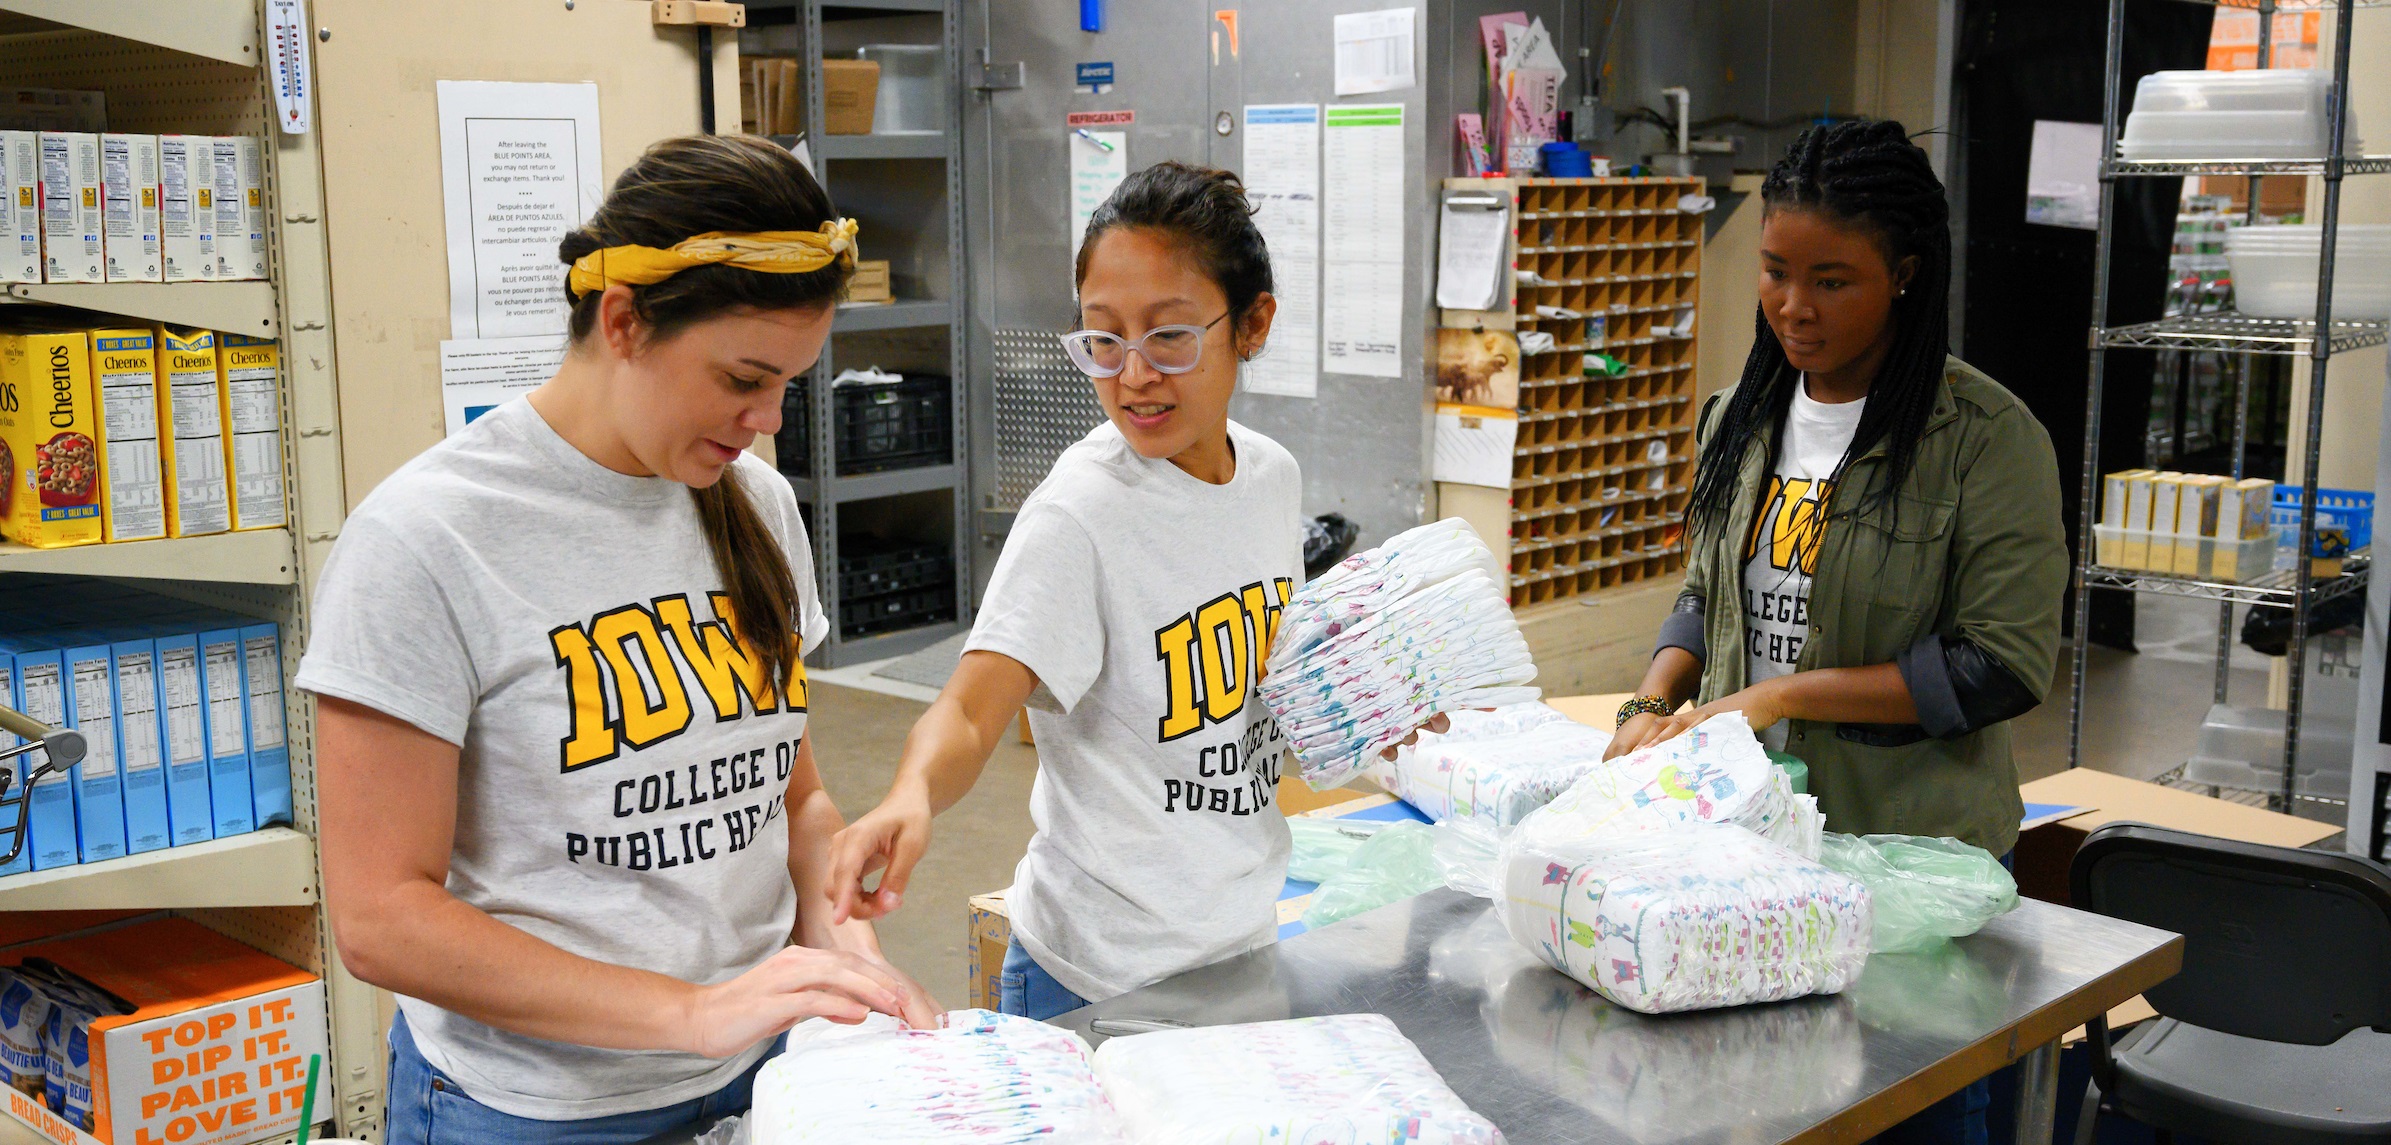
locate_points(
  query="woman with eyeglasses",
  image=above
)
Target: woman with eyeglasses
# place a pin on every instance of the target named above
(1131, 611)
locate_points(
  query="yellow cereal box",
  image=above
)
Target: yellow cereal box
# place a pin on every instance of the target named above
(49, 445)
(191, 433)
(250, 373)
(124, 370)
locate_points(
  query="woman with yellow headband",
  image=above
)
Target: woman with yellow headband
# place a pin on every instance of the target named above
(570, 813)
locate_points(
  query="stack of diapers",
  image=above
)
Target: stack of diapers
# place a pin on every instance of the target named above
(1684, 918)
(1372, 648)
(1715, 773)
(984, 1078)
(1342, 1078)
(1493, 767)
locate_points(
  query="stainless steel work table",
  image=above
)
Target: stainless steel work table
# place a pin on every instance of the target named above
(1550, 1061)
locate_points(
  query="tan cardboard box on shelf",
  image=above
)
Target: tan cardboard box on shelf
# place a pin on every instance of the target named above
(850, 94)
(124, 367)
(49, 446)
(2115, 496)
(249, 377)
(2166, 499)
(71, 245)
(2044, 852)
(191, 433)
(20, 206)
(2196, 523)
(129, 208)
(187, 206)
(2140, 488)
(237, 170)
(870, 283)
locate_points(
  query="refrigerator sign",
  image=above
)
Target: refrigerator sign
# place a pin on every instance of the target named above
(1099, 119)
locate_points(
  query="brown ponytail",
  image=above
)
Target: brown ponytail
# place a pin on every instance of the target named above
(688, 186)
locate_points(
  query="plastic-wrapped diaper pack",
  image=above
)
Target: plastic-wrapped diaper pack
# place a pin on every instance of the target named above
(1716, 772)
(1344, 1078)
(1369, 650)
(1493, 767)
(1684, 917)
(982, 1077)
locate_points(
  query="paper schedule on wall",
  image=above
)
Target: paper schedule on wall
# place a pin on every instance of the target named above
(1282, 177)
(1361, 283)
(519, 166)
(1099, 161)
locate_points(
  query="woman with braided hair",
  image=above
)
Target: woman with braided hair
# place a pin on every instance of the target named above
(1875, 556)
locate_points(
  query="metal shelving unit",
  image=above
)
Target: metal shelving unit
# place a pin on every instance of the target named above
(240, 307)
(2318, 338)
(259, 557)
(839, 160)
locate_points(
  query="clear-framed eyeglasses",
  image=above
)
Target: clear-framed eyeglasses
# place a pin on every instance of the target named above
(1169, 349)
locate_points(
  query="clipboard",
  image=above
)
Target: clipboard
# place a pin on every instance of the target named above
(1473, 250)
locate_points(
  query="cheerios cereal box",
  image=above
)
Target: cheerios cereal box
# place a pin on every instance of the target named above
(49, 439)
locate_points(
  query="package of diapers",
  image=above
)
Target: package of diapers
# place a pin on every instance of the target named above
(1682, 917)
(1342, 1078)
(1716, 772)
(1495, 767)
(982, 1078)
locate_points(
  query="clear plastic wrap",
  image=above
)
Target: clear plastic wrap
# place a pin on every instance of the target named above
(982, 1078)
(1684, 918)
(1496, 767)
(1324, 846)
(1343, 1078)
(1924, 892)
(1367, 652)
(1396, 863)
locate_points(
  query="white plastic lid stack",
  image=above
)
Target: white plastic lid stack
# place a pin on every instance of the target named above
(1340, 1078)
(2273, 113)
(2275, 269)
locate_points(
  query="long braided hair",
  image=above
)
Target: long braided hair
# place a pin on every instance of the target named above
(1864, 174)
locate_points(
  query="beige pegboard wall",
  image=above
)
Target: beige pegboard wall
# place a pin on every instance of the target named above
(150, 89)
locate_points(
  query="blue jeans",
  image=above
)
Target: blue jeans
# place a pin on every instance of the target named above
(1028, 991)
(427, 1107)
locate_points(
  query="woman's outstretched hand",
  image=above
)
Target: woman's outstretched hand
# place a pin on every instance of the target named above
(891, 839)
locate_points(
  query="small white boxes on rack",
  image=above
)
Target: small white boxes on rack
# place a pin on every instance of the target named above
(2124, 508)
(187, 206)
(129, 207)
(21, 212)
(70, 196)
(2272, 113)
(2189, 525)
(238, 171)
(2275, 270)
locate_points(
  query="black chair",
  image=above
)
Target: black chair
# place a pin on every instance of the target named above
(2278, 1031)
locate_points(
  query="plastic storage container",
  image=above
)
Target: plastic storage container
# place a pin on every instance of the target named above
(2206, 558)
(881, 425)
(889, 585)
(2350, 510)
(912, 87)
(2272, 113)
(2275, 270)
(2242, 749)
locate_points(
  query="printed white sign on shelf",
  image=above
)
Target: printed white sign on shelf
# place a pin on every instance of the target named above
(1361, 280)
(519, 166)
(479, 374)
(1282, 177)
(1377, 51)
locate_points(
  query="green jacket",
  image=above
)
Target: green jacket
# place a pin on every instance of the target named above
(1972, 553)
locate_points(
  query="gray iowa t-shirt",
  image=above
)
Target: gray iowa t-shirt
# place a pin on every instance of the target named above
(621, 768)
(1144, 600)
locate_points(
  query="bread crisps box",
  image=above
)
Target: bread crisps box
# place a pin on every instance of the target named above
(49, 439)
(214, 1052)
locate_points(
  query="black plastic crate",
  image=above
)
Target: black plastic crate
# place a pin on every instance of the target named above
(894, 425)
(793, 446)
(891, 612)
(871, 569)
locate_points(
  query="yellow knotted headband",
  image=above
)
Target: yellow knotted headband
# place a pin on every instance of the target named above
(772, 252)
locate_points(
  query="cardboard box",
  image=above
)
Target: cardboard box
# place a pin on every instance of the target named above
(224, 697)
(53, 109)
(191, 434)
(49, 440)
(2196, 523)
(249, 382)
(72, 249)
(850, 94)
(140, 747)
(2140, 488)
(124, 366)
(2245, 508)
(15, 768)
(2116, 494)
(870, 283)
(269, 754)
(190, 814)
(991, 935)
(99, 782)
(50, 832)
(237, 171)
(216, 1049)
(2166, 497)
(20, 207)
(187, 206)
(129, 208)
(2045, 851)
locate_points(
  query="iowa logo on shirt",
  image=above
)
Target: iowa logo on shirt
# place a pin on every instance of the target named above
(1208, 655)
(624, 684)
(1790, 524)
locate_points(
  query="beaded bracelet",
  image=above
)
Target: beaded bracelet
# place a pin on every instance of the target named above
(1643, 705)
